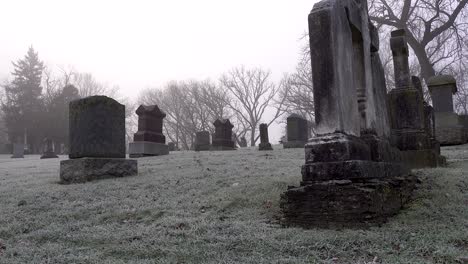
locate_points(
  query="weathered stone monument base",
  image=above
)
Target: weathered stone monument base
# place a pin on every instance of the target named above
(49, 155)
(140, 149)
(345, 203)
(89, 169)
(449, 129)
(347, 181)
(417, 149)
(294, 144)
(265, 146)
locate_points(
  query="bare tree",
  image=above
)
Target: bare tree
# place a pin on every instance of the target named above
(252, 93)
(190, 106)
(436, 29)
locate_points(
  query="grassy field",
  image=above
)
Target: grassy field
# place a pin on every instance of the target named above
(215, 207)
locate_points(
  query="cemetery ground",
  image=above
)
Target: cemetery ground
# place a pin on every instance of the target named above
(215, 207)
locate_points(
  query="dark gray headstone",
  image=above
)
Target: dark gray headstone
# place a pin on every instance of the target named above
(202, 141)
(97, 141)
(149, 139)
(97, 128)
(441, 88)
(18, 150)
(243, 142)
(264, 140)
(297, 131)
(171, 146)
(49, 150)
(222, 139)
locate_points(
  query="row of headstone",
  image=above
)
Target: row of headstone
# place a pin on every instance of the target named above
(353, 153)
(48, 150)
(223, 139)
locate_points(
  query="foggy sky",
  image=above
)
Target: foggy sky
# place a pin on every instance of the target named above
(142, 43)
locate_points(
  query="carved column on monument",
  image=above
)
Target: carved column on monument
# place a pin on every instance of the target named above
(406, 106)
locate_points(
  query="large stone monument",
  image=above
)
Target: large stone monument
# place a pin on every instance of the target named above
(264, 141)
(202, 141)
(352, 174)
(18, 150)
(97, 141)
(406, 105)
(449, 130)
(49, 149)
(297, 131)
(149, 139)
(222, 139)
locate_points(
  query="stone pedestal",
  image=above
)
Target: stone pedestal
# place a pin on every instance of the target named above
(149, 139)
(89, 169)
(140, 149)
(18, 151)
(222, 139)
(202, 141)
(97, 141)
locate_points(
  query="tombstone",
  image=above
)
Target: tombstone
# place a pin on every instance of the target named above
(264, 141)
(222, 139)
(18, 150)
(202, 141)
(149, 139)
(49, 150)
(171, 146)
(296, 131)
(353, 175)
(97, 141)
(243, 142)
(449, 130)
(408, 122)
(463, 119)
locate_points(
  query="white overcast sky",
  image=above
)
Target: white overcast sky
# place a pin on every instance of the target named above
(143, 43)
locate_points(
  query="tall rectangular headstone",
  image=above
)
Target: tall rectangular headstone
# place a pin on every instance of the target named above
(297, 131)
(18, 150)
(149, 139)
(449, 130)
(97, 141)
(264, 140)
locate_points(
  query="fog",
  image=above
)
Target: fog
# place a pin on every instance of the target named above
(139, 44)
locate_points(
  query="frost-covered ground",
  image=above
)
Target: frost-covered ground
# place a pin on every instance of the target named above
(214, 207)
